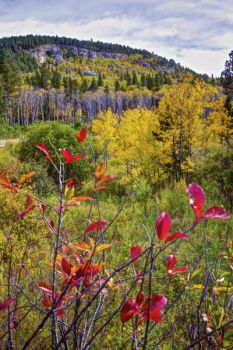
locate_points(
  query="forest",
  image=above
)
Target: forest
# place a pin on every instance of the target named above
(116, 192)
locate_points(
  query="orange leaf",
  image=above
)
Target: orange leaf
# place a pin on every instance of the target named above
(77, 200)
(108, 178)
(5, 182)
(26, 177)
(98, 188)
(100, 171)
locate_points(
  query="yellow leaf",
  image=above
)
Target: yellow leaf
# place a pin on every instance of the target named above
(198, 286)
(69, 193)
(102, 247)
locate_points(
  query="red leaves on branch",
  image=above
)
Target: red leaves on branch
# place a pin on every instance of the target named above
(69, 158)
(44, 149)
(29, 206)
(170, 263)
(135, 251)
(197, 201)
(96, 226)
(143, 309)
(82, 135)
(163, 228)
(4, 305)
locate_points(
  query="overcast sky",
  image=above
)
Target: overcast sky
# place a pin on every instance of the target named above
(196, 33)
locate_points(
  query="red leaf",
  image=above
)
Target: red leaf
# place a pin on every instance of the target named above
(129, 309)
(29, 206)
(6, 303)
(156, 316)
(82, 135)
(66, 267)
(71, 182)
(163, 225)
(180, 270)
(69, 158)
(51, 225)
(170, 262)
(197, 193)
(216, 212)
(44, 149)
(176, 236)
(60, 312)
(135, 251)
(42, 208)
(140, 298)
(46, 287)
(158, 301)
(47, 302)
(96, 226)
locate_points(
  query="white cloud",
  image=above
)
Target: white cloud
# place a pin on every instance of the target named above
(196, 33)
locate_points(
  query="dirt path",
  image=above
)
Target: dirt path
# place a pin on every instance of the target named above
(2, 143)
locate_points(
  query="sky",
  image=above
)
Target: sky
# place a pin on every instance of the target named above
(196, 33)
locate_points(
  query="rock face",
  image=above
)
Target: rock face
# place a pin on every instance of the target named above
(142, 63)
(90, 74)
(42, 53)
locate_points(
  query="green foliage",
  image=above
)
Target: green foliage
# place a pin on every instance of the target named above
(60, 136)
(216, 173)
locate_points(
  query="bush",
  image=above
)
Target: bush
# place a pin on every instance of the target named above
(56, 136)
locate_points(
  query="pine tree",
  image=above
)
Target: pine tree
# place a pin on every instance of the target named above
(135, 78)
(94, 85)
(117, 85)
(9, 75)
(84, 86)
(56, 79)
(100, 80)
(106, 89)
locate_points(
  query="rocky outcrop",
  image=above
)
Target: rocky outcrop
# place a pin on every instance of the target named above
(43, 52)
(142, 63)
(94, 54)
(90, 74)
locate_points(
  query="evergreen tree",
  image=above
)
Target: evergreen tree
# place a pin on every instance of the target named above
(43, 77)
(94, 85)
(117, 85)
(135, 78)
(106, 89)
(56, 79)
(100, 80)
(84, 86)
(143, 80)
(9, 75)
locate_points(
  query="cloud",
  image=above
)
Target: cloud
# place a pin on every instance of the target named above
(196, 33)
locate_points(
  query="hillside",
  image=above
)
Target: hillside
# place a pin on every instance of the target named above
(52, 78)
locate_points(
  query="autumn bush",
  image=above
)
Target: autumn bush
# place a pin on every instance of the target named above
(82, 270)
